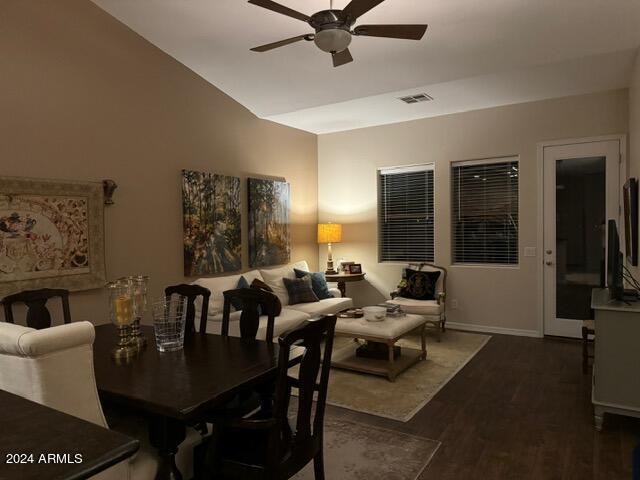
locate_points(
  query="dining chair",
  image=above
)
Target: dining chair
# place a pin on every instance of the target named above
(38, 315)
(276, 447)
(54, 367)
(255, 304)
(588, 336)
(192, 292)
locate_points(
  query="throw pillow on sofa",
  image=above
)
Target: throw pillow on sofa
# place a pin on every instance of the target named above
(235, 301)
(260, 285)
(300, 290)
(318, 283)
(420, 285)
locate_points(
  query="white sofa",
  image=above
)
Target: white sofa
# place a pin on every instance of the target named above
(291, 315)
(54, 367)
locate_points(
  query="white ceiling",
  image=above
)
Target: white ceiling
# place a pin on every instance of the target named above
(476, 54)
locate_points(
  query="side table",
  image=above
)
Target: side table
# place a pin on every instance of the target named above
(343, 278)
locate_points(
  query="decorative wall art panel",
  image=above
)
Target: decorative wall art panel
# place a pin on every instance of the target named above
(211, 223)
(51, 235)
(269, 242)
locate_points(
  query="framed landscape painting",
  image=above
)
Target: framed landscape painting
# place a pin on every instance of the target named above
(51, 235)
(211, 223)
(269, 242)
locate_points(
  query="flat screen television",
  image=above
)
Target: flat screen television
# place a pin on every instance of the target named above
(630, 196)
(615, 279)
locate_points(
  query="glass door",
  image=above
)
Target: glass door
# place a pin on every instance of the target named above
(581, 194)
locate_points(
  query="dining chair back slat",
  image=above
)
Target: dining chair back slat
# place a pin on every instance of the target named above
(254, 302)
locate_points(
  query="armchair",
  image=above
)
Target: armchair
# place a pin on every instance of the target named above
(434, 311)
(54, 367)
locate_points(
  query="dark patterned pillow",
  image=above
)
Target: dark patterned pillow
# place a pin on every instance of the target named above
(260, 285)
(318, 283)
(420, 285)
(300, 290)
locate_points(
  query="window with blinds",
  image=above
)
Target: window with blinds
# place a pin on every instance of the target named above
(485, 211)
(405, 214)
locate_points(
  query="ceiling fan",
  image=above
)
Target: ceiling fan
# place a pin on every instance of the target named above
(334, 28)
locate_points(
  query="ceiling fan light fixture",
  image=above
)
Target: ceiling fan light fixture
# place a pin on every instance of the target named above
(332, 40)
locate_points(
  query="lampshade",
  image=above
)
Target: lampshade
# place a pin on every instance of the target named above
(329, 233)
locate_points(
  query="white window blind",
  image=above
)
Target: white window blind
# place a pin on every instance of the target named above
(485, 211)
(405, 214)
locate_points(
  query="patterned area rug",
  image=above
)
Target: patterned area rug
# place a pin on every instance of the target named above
(354, 451)
(411, 391)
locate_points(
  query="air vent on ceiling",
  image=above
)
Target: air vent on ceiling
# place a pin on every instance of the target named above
(420, 97)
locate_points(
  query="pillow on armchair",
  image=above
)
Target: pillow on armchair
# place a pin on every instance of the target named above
(419, 284)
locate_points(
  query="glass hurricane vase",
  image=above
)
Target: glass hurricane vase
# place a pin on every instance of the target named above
(121, 315)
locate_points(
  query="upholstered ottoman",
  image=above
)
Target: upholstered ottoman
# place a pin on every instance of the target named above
(387, 332)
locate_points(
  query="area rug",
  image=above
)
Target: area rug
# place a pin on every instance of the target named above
(354, 451)
(402, 399)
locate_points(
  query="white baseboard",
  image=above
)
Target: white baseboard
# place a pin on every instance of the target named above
(487, 329)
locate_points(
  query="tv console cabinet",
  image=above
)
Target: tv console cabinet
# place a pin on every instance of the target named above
(616, 366)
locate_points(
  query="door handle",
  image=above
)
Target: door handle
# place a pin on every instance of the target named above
(548, 263)
(549, 252)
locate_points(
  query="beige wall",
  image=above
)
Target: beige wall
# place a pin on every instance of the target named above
(501, 297)
(83, 97)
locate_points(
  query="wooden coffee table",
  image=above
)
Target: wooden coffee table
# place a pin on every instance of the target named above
(387, 332)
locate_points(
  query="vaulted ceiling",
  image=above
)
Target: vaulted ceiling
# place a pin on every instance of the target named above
(476, 54)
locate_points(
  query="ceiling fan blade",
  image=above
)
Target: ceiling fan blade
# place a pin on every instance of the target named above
(281, 43)
(342, 58)
(276, 7)
(407, 32)
(359, 7)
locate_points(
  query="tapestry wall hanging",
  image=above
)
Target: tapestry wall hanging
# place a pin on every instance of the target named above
(269, 202)
(211, 223)
(51, 235)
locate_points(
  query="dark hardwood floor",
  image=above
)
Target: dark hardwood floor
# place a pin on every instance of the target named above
(520, 409)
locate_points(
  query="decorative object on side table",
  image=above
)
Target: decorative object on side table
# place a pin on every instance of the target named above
(343, 265)
(355, 269)
(329, 233)
(121, 315)
(169, 318)
(51, 235)
(342, 278)
(269, 237)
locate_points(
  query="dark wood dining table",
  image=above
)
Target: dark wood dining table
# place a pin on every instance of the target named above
(174, 389)
(38, 442)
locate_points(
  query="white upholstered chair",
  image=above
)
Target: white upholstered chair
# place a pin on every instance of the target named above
(432, 310)
(54, 367)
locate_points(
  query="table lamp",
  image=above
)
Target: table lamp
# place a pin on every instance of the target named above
(329, 233)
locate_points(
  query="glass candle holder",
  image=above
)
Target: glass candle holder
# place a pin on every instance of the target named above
(139, 286)
(121, 315)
